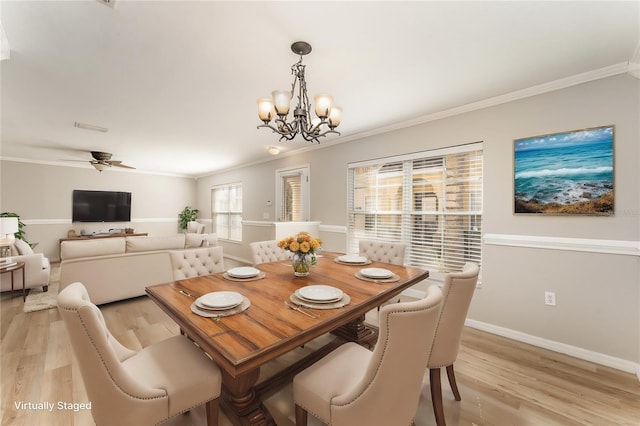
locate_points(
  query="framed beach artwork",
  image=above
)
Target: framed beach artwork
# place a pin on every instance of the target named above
(568, 173)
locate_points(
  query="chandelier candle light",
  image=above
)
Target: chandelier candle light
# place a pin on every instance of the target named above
(326, 113)
(303, 247)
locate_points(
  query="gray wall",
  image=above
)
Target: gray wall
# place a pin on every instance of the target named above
(41, 195)
(598, 299)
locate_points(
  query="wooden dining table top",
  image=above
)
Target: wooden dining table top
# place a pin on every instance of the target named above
(243, 342)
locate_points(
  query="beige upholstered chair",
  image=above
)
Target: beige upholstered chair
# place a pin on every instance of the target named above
(382, 251)
(354, 386)
(194, 227)
(266, 251)
(129, 388)
(457, 293)
(196, 262)
(36, 268)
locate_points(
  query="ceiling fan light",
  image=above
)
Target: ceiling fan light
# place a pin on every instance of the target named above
(99, 166)
(335, 116)
(323, 105)
(266, 111)
(282, 101)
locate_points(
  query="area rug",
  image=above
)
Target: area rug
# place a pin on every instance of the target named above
(38, 300)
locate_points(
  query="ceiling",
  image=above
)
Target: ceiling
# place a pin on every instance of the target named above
(176, 82)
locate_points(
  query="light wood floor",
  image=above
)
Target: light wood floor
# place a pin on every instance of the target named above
(502, 382)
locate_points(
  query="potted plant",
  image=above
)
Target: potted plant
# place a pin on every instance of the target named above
(187, 215)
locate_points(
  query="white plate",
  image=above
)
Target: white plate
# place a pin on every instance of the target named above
(353, 258)
(319, 293)
(377, 273)
(220, 300)
(243, 272)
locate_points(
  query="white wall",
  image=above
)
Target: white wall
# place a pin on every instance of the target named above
(598, 309)
(41, 195)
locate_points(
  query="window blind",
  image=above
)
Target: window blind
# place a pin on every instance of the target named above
(432, 201)
(226, 211)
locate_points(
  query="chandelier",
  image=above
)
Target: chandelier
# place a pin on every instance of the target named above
(277, 108)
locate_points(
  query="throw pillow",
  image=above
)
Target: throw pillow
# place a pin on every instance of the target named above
(23, 247)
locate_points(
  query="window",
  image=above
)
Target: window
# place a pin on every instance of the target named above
(226, 211)
(432, 201)
(292, 196)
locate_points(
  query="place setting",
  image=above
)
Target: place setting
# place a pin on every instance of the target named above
(352, 259)
(377, 275)
(319, 297)
(220, 304)
(243, 273)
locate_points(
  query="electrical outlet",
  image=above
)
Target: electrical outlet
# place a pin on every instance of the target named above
(549, 298)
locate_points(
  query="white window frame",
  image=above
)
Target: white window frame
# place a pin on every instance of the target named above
(395, 220)
(228, 212)
(305, 199)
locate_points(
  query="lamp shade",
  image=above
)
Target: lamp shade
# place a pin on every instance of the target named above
(335, 116)
(8, 225)
(266, 111)
(323, 105)
(282, 101)
(99, 166)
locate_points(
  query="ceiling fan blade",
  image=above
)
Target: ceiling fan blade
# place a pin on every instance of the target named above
(119, 164)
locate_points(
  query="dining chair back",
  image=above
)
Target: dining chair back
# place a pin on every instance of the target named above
(266, 251)
(136, 388)
(196, 262)
(355, 386)
(457, 292)
(194, 227)
(383, 251)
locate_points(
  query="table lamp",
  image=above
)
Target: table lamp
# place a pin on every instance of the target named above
(8, 227)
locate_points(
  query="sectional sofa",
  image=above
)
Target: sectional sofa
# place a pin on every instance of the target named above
(119, 268)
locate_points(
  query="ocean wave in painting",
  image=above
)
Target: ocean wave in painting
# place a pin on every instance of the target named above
(564, 170)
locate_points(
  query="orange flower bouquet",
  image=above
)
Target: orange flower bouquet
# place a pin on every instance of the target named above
(303, 247)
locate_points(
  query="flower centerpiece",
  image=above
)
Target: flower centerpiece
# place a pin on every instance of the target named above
(303, 247)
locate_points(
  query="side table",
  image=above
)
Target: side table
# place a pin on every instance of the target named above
(13, 268)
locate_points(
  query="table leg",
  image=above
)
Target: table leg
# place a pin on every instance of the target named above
(359, 332)
(240, 402)
(24, 291)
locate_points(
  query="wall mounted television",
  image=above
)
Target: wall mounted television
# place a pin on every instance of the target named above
(101, 206)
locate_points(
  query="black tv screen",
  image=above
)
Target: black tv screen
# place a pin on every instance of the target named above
(101, 206)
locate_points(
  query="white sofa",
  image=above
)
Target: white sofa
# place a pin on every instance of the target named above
(36, 269)
(119, 268)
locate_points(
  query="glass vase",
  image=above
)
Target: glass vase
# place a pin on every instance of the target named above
(301, 264)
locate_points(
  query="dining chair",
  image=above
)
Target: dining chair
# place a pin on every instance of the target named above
(266, 251)
(355, 386)
(196, 262)
(457, 292)
(383, 251)
(136, 388)
(195, 227)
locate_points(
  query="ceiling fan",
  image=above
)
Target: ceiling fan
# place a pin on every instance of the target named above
(102, 161)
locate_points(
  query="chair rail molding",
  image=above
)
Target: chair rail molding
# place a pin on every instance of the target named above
(619, 247)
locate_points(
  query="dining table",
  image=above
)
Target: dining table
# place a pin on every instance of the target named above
(274, 322)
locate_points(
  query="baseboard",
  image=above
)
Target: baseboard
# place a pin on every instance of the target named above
(574, 351)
